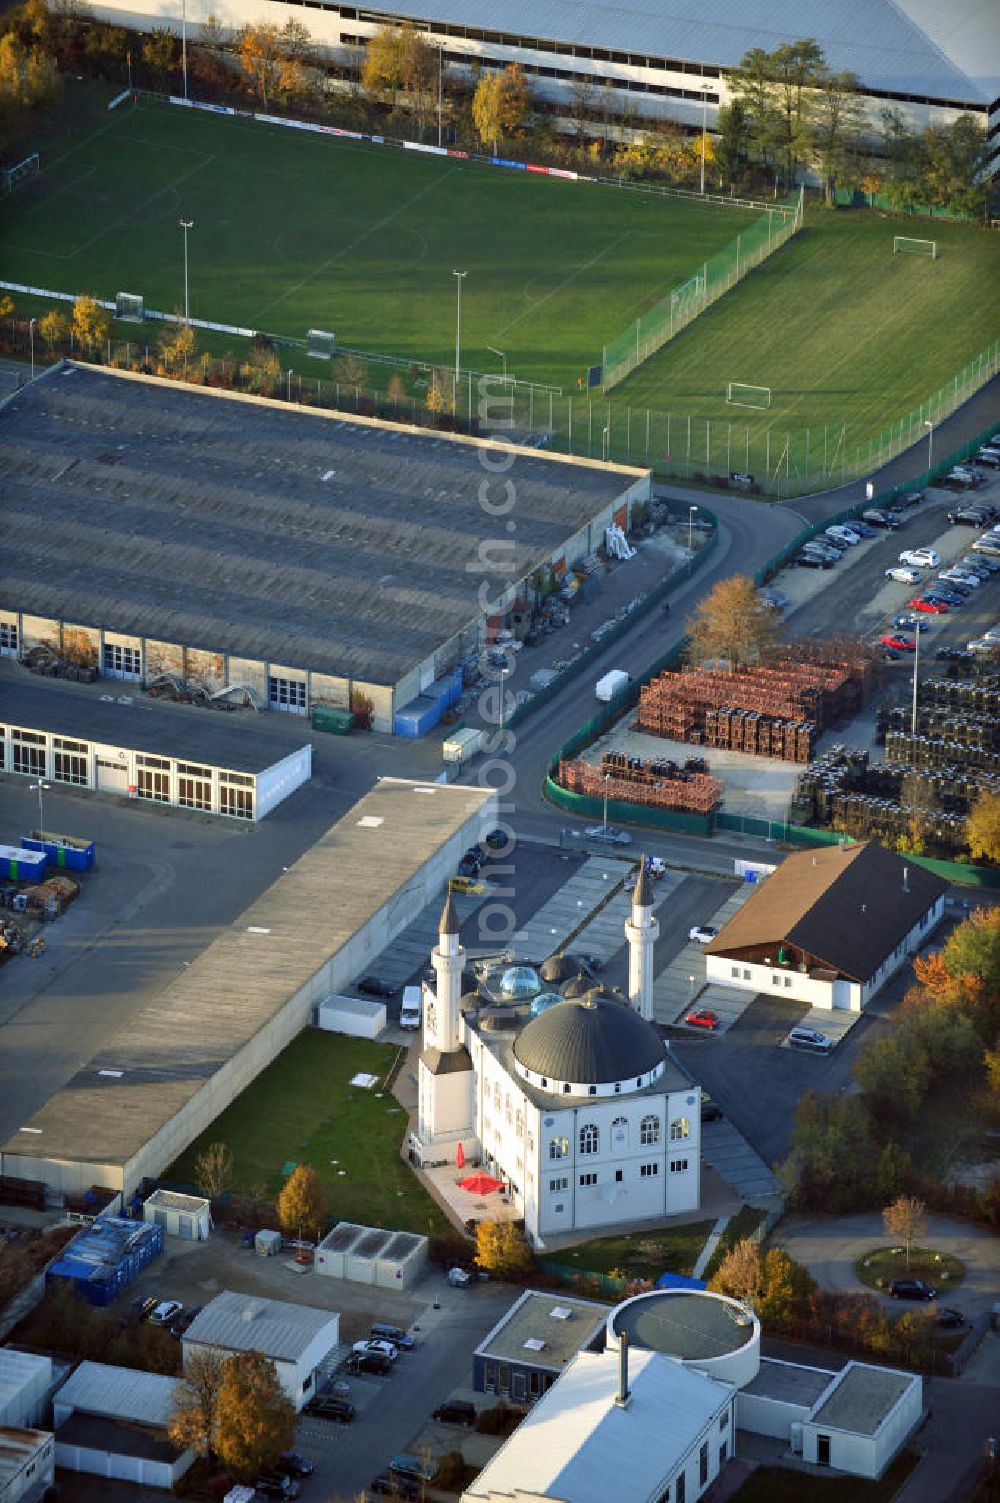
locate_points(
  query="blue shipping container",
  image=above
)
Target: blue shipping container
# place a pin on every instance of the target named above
(19, 865)
(417, 718)
(457, 678)
(62, 850)
(104, 1258)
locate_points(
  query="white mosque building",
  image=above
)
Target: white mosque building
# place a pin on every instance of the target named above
(565, 1093)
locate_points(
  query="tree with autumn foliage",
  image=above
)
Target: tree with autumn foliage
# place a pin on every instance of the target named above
(196, 1400)
(982, 828)
(499, 105)
(731, 623)
(965, 973)
(738, 1274)
(254, 1418)
(904, 1220)
(302, 1202)
(91, 325)
(502, 1250)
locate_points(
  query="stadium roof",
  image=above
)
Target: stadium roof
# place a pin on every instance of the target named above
(276, 533)
(248, 1323)
(151, 1068)
(918, 47)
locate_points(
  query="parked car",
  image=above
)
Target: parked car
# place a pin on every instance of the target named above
(810, 1038)
(166, 1311)
(327, 1406)
(183, 1322)
(988, 457)
(908, 499)
(844, 533)
(909, 621)
(897, 642)
(911, 1289)
(455, 1412)
(369, 1362)
(610, 836)
(469, 865)
(702, 1017)
(277, 1485)
(863, 529)
(381, 1331)
(928, 606)
(988, 545)
(414, 1467)
(374, 986)
(295, 1465)
(947, 593)
(824, 548)
(984, 567)
(949, 1319)
(812, 561)
(459, 1278)
(904, 573)
(887, 520)
(983, 646)
(959, 576)
(384, 1349)
(384, 1486)
(702, 934)
(920, 558)
(952, 655)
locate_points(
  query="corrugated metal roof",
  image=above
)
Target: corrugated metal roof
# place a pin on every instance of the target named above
(193, 1029)
(119, 1393)
(20, 1370)
(874, 38)
(578, 1445)
(247, 1323)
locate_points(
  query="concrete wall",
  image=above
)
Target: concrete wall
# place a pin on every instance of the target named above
(134, 1469)
(276, 782)
(764, 1416)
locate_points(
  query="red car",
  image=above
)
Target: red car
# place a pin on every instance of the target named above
(703, 1018)
(935, 607)
(900, 643)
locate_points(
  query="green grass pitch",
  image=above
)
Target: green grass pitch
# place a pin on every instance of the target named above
(296, 231)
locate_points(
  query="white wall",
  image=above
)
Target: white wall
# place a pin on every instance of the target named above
(764, 1416)
(795, 986)
(275, 783)
(124, 1468)
(333, 1018)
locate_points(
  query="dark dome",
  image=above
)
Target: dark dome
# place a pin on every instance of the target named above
(593, 1041)
(471, 1000)
(580, 986)
(557, 969)
(497, 1019)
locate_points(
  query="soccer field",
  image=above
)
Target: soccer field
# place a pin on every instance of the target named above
(296, 231)
(838, 327)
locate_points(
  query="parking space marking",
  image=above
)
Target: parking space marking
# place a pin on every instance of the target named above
(557, 919)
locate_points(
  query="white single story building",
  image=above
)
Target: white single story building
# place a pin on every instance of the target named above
(829, 927)
(295, 1337)
(863, 1419)
(372, 1255)
(358, 1017)
(112, 1422)
(185, 1216)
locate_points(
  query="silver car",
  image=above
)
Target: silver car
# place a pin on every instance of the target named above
(612, 835)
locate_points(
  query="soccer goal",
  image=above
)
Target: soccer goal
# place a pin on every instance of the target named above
(129, 307)
(739, 394)
(320, 345)
(30, 167)
(906, 245)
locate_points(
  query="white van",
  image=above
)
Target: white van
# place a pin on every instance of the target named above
(412, 1010)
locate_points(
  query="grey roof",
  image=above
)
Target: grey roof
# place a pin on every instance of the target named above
(558, 969)
(563, 1325)
(590, 1041)
(789, 1382)
(173, 1200)
(20, 1371)
(861, 1397)
(179, 1042)
(915, 53)
(122, 1393)
(194, 735)
(271, 532)
(97, 1433)
(684, 1323)
(247, 1323)
(17, 1446)
(849, 908)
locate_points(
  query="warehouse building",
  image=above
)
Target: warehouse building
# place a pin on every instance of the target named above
(192, 761)
(27, 1464)
(112, 1422)
(296, 1338)
(169, 1072)
(829, 927)
(635, 63)
(243, 545)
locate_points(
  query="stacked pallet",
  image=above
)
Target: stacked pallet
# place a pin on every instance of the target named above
(657, 783)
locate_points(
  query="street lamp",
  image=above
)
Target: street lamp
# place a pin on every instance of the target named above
(704, 131)
(459, 279)
(186, 224)
(605, 442)
(503, 696)
(31, 336)
(690, 991)
(41, 788)
(184, 46)
(930, 445)
(494, 351)
(607, 780)
(291, 373)
(691, 514)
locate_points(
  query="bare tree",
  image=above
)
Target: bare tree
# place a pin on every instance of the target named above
(904, 1221)
(213, 1169)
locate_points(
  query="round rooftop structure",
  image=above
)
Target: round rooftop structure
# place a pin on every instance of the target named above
(591, 1046)
(544, 1001)
(519, 982)
(557, 969)
(579, 986)
(709, 1331)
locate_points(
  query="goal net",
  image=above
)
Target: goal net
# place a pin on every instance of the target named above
(907, 245)
(30, 167)
(320, 345)
(129, 308)
(739, 394)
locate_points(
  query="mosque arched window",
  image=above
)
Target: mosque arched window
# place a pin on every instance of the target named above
(590, 1138)
(680, 1128)
(649, 1131)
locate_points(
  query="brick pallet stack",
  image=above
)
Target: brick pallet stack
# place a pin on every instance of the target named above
(658, 784)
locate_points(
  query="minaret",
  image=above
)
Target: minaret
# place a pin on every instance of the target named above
(641, 931)
(448, 960)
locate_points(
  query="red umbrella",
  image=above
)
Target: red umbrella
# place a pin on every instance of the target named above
(480, 1184)
(460, 1156)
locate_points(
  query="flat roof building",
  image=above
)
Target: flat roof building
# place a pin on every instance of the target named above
(154, 528)
(112, 1422)
(530, 1346)
(192, 759)
(296, 1338)
(169, 1072)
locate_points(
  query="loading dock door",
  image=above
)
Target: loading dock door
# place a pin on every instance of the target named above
(122, 662)
(112, 777)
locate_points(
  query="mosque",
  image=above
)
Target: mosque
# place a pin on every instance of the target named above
(564, 1092)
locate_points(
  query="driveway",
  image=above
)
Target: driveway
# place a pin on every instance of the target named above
(829, 1248)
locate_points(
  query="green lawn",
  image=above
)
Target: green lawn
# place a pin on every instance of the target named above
(302, 1109)
(641, 1255)
(880, 1265)
(776, 1484)
(296, 231)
